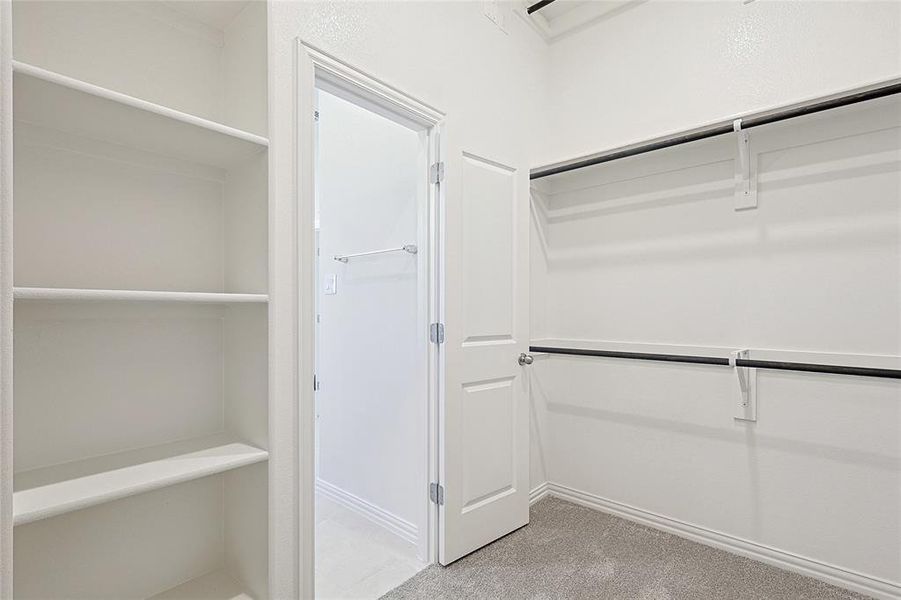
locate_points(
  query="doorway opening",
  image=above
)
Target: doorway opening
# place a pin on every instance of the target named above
(376, 367)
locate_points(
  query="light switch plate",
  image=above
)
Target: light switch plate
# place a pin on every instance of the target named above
(330, 285)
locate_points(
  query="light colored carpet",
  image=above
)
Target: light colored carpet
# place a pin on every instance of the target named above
(568, 551)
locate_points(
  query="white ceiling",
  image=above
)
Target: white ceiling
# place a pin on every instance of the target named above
(559, 7)
(218, 14)
(562, 17)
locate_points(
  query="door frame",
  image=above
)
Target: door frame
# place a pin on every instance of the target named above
(313, 68)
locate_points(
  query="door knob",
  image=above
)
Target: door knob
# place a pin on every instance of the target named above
(525, 359)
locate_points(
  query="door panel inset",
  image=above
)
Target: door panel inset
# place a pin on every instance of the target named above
(488, 209)
(489, 417)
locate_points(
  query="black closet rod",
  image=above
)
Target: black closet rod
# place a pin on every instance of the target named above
(723, 128)
(538, 6)
(716, 360)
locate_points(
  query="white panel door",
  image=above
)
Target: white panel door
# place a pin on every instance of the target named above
(485, 458)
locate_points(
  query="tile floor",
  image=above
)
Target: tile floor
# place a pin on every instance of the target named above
(355, 558)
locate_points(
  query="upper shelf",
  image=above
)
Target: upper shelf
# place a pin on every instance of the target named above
(59, 489)
(56, 101)
(92, 295)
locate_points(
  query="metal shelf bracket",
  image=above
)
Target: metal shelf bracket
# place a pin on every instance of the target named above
(745, 171)
(747, 386)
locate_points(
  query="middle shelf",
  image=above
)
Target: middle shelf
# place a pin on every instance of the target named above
(94, 295)
(55, 490)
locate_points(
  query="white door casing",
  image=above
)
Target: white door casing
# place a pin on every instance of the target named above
(485, 426)
(482, 276)
(315, 68)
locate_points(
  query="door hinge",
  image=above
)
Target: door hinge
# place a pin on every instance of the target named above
(436, 333)
(436, 493)
(436, 173)
(315, 383)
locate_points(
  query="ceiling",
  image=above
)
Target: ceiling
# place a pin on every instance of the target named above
(218, 14)
(559, 7)
(563, 17)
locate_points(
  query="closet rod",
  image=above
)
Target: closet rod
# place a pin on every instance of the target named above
(538, 6)
(722, 128)
(724, 362)
(408, 248)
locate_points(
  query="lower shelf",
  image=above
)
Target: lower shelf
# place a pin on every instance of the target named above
(59, 489)
(218, 585)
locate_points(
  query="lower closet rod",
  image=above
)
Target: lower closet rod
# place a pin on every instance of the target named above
(716, 360)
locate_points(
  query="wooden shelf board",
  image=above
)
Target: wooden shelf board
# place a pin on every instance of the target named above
(92, 295)
(49, 99)
(55, 490)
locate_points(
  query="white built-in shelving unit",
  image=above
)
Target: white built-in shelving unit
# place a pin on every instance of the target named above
(141, 300)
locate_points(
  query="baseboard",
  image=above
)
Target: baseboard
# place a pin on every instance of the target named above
(858, 582)
(539, 492)
(400, 527)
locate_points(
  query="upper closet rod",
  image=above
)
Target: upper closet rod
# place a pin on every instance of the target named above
(538, 6)
(717, 360)
(753, 120)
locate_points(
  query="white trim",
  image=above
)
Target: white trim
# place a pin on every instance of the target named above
(402, 528)
(291, 552)
(316, 68)
(338, 74)
(538, 492)
(304, 288)
(852, 580)
(6, 302)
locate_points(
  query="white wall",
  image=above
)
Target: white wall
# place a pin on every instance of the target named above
(657, 66)
(372, 402)
(185, 63)
(489, 83)
(494, 87)
(648, 254)
(181, 71)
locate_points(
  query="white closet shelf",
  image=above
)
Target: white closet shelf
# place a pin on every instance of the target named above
(218, 585)
(92, 295)
(55, 490)
(56, 101)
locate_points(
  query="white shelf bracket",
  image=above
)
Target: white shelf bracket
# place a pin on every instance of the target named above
(745, 171)
(747, 387)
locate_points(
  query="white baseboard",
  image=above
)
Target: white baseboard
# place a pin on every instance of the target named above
(858, 582)
(400, 527)
(539, 492)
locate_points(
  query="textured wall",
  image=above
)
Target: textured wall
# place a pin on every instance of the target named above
(648, 254)
(489, 83)
(371, 406)
(659, 66)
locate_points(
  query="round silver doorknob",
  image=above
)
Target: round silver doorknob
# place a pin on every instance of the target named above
(525, 359)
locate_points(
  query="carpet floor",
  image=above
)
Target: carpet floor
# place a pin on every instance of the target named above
(568, 551)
